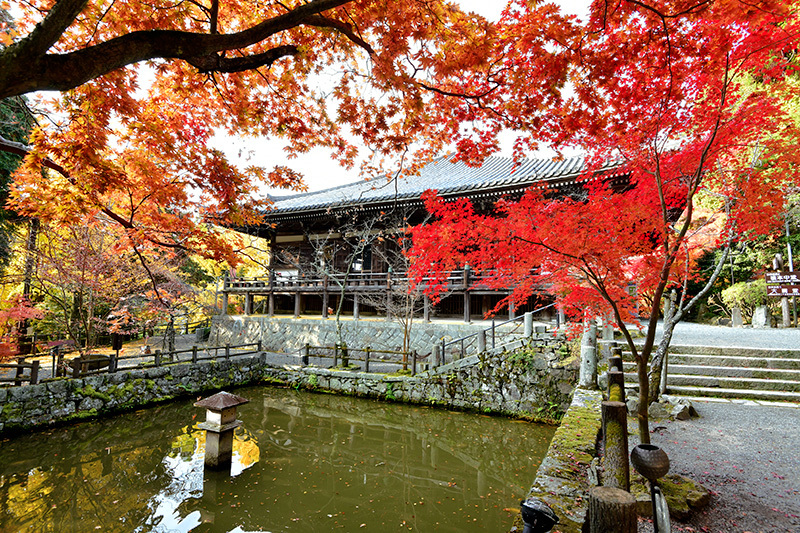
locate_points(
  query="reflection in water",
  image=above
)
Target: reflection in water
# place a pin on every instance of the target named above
(302, 462)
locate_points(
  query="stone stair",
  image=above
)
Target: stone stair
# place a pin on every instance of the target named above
(727, 372)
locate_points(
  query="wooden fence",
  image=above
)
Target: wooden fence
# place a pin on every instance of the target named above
(345, 356)
(20, 366)
(91, 364)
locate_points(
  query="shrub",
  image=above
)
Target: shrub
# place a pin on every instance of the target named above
(746, 295)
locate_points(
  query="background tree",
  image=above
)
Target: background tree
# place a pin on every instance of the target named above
(661, 90)
(146, 86)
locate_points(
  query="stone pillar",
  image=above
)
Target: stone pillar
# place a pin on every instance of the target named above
(426, 308)
(224, 310)
(528, 328)
(736, 317)
(588, 373)
(481, 341)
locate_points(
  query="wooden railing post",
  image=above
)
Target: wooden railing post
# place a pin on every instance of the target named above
(227, 351)
(34, 372)
(194, 354)
(258, 349)
(413, 362)
(305, 355)
(112, 362)
(335, 354)
(158, 358)
(366, 360)
(18, 375)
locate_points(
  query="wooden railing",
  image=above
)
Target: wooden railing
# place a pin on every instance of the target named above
(91, 364)
(345, 357)
(19, 367)
(354, 281)
(99, 364)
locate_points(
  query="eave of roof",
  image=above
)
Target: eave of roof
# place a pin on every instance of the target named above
(497, 176)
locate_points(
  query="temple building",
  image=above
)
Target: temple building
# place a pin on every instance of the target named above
(343, 246)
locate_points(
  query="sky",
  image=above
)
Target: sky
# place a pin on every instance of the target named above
(317, 166)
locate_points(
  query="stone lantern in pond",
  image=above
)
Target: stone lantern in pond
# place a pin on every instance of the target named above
(219, 425)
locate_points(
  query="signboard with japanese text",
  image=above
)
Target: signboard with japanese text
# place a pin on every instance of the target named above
(783, 283)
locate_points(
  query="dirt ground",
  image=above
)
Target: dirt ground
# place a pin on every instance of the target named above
(747, 454)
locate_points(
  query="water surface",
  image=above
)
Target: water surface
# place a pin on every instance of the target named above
(302, 462)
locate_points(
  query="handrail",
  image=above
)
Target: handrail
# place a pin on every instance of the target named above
(487, 330)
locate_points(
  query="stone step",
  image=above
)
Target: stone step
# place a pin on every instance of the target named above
(729, 371)
(727, 350)
(715, 392)
(782, 363)
(734, 383)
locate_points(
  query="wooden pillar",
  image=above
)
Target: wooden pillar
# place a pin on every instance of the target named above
(271, 304)
(426, 308)
(615, 436)
(467, 310)
(612, 510)
(355, 307)
(325, 303)
(511, 314)
(224, 310)
(297, 304)
(248, 304)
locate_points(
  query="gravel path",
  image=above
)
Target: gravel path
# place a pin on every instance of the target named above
(747, 455)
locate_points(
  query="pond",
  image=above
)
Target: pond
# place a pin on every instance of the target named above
(302, 462)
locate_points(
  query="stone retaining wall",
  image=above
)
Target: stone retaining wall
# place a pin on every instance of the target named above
(536, 381)
(289, 335)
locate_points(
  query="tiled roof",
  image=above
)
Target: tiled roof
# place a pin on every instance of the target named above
(448, 178)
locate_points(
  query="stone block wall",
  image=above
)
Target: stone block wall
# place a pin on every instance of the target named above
(289, 335)
(535, 381)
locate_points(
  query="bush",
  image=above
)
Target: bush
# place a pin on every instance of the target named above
(746, 295)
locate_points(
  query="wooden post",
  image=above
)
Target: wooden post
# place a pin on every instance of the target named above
(227, 351)
(467, 309)
(616, 386)
(297, 304)
(258, 346)
(305, 354)
(426, 308)
(271, 304)
(112, 362)
(335, 354)
(194, 354)
(366, 360)
(356, 314)
(18, 375)
(224, 310)
(158, 358)
(34, 372)
(615, 361)
(413, 362)
(615, 438)
(612, 510)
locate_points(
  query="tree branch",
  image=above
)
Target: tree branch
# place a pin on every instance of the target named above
(25, 67)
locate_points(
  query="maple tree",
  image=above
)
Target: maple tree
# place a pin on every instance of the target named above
(144, 87)
(681, 105)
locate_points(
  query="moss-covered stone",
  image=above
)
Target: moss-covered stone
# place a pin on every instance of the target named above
(684, 495)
